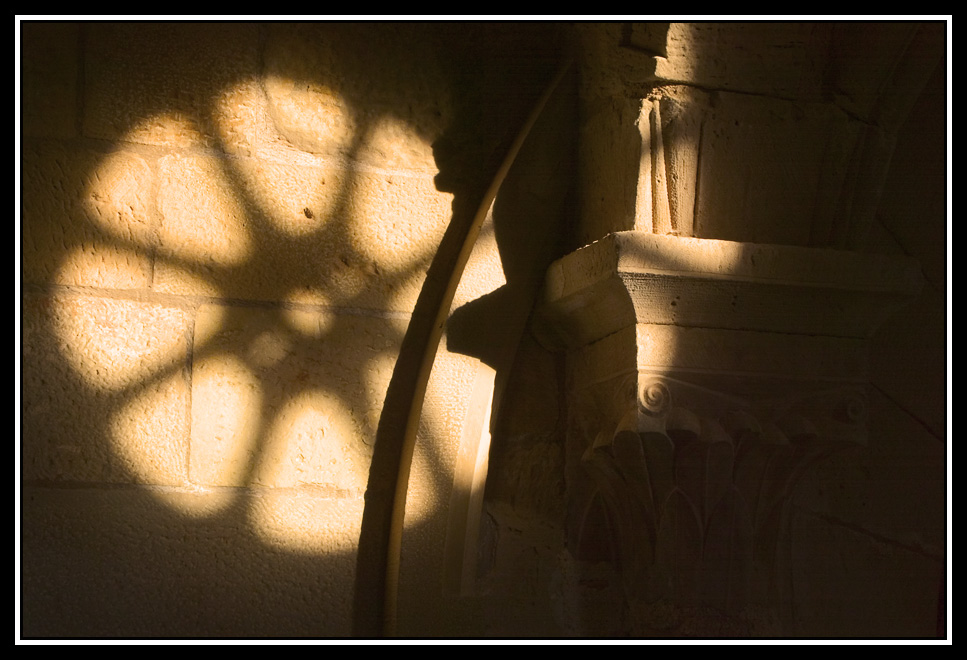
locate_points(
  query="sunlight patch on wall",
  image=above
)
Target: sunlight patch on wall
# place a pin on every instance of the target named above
(314, 441)
(203, 218)
(197, 502)
(394, 144)
(150, 430)
(239, 117)
(484, 272)
(375, 381)
(312, 116)
(395, 224)
(116, 345)
(305, 520)
(395, 219)
(298, 200)
(715, 258)
(116, 200)
(167, 129)
(102, 264)
(226, 421)
(287, 199)
(268, 349)
(307, 324)
(105, 375)
(441, 427)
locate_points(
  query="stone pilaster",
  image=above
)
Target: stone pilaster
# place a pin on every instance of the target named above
(778, 133)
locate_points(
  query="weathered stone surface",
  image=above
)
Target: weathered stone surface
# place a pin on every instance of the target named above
(449, 391)
(894, 489)
(330, 93)
(613, 163)
(203, 215)
(675, 124)
(715, 164)
(749, 352)
(851, 585)
(688, 433)
(262, 230)
(49, 90)
(129, 563)
(764, 175)
(777, 59)
(282, 176)
(740, 159)
(449, 466)
(105, 395)
(285, 397)
(638, 277)
(608, 69)
(161, 83)
(87, 217)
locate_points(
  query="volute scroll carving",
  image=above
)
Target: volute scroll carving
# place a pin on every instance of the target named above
(653, 398)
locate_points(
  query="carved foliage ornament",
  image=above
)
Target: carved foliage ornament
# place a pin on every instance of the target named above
(689, 504)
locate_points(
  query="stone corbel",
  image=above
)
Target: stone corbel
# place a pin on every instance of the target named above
(705, 377)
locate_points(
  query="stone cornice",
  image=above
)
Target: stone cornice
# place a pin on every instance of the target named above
(635, 277)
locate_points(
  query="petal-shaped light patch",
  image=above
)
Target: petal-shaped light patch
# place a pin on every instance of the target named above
(103, 263)
(394, 145)
(306, 323)
(203, 217)
(395, 224)
(226, 421)
(149, 431)
(119, 344)
(307, 520)
(397, 219)
(239, 117)
(117, 198)
(314, 440)
(167, 129)
(310, 115)
(297, 199)
(197, 501)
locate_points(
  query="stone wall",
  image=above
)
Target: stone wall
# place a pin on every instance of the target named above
(224, 230)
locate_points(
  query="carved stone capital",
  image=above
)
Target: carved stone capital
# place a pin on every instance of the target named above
(704, 378)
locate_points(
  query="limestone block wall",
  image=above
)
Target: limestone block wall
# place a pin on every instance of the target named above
(224, 229)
